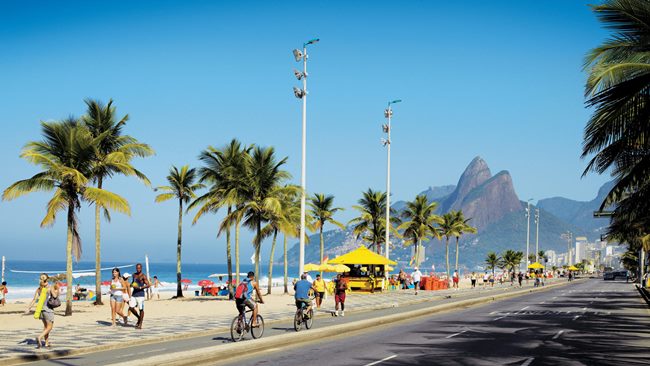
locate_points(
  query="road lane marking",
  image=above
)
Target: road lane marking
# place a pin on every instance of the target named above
(558, 334)
(380, 361)
(528, 361)
(499, 318)
(526, 307)
(455, 334)
(542, 302)
(576, 317)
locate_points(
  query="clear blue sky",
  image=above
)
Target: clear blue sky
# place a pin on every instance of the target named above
(499, 79)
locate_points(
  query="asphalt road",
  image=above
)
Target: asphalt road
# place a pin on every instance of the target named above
(590, 323)
(324, 319)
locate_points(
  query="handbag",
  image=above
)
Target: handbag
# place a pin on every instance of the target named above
(53, 302)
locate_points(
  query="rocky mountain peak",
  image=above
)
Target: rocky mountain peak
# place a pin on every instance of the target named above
(476, 173)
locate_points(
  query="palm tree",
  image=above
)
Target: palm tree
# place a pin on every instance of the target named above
(113, 156)
(225, 170)
(320, 214)
(532, 257)
(512, 259)
(263, 196)
(182, 187)
(617, 134)
(66, 156)
(279, 221)
(292, 216)
(369, 225)
(419, 222)
(464, 227)
(493, 261)
(449, 226)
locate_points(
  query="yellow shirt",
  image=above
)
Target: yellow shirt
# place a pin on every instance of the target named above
(319, 285)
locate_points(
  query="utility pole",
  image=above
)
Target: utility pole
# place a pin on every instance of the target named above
(537, 235)
(388, 113)
(527, 234)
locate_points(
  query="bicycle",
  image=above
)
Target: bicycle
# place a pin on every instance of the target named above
(240, 326)
(302, 317)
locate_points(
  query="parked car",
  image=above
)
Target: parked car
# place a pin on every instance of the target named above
(614, 275)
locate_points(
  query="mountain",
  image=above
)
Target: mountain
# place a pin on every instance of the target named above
(494, 208)
(579, 213)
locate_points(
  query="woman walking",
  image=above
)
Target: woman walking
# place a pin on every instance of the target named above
(118, 286)
(46, 299)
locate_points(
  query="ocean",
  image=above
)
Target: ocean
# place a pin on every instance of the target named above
(23, 285)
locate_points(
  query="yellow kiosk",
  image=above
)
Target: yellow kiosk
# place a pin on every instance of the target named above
(367, 269)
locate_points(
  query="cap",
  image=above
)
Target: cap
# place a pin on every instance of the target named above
(126, 274)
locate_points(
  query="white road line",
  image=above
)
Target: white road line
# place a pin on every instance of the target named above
(576, 317)
(526, 307)
(542, 302)
(558, 334)
(554, 297)
(499, 318)
(380, 361)
(455, 334)
(528, 361)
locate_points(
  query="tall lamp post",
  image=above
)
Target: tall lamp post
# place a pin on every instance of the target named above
(537, 235)
(302, 94)
(388, 113)
(527, 233)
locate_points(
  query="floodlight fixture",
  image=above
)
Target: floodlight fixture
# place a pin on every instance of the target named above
(385, 141)
(299, 74)
(385, 128)
(298, 55)
(299, 93)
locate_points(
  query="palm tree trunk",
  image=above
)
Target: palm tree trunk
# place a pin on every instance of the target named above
(275, 236)
(98, 261)
(229, 259)
(322, 248)
(447, 257)
(68, 256)
(237, 251)
(457, 240)
(179, 289)
(258, 249)
(417, 252)
(286, 267)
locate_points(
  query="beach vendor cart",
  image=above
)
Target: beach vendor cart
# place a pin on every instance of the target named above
(367, 269)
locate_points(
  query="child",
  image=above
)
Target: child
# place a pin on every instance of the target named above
(3, 293)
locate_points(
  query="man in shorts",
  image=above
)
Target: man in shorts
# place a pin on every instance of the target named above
(416, 276)
(245, 298)
(154, 289)
(301, 294)
(319, 286)
(139, 283)
(340, 286)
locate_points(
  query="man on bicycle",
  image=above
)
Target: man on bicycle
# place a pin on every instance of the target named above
(244, 296)
(301, 295)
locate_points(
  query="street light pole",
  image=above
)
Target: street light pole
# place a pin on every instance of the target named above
(527, 233)
(388, 113)
(302, 94)
(537, 235)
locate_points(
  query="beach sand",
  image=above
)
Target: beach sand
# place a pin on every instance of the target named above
(84, 312)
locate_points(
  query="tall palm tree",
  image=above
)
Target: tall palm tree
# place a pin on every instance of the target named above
(616, 136)
(292, 230)
(464, 228)
(225, 170)
(370, 223)
(512, 259)
(182, 187)
(263, 196)
(493, 261)
(66, 156)
(419, 222)
(113, 156)
(321, 212)
(449, 226)
(279, 221)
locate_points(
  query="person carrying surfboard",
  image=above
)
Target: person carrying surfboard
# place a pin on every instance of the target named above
(46, 299)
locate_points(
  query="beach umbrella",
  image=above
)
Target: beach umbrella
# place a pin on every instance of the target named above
(185, 280)
(536, 265)
(389, 268)
(312, 267)
(106, 283)
(205, 283)
(572, 268)
(341, 268)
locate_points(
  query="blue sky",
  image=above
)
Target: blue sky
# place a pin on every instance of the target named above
(499, 79)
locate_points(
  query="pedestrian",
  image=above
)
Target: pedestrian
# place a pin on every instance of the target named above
(473, 278)
(486, 277)
(491, 280)
(46, 299)
(416, 276)
(520, 277)
(126, 296)
(340, 286)
(118, 286)
(402, 279)
(319, 285)
(311, 280)
(571, 276)
(154, 288)
(3, 293)
(456, 279)
(139, 283)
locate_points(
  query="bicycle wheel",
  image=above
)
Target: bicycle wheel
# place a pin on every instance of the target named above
(310, 319)
(258, 331)
(297, 321)
(237, 329)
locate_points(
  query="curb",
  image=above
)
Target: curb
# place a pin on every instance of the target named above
(232, 351)
(202, 333)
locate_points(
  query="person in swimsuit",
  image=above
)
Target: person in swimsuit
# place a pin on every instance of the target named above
(154, 289)
(118, 286)
(47, 313)
(3, 293)
(319, 286)
(139, 284)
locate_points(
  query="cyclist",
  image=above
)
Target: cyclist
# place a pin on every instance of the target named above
(301, 295)
(244, 296)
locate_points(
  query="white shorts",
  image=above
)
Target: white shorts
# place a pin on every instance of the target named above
(154, 290)
(137, 302)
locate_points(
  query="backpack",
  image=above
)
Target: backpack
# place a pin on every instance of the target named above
(242, 290)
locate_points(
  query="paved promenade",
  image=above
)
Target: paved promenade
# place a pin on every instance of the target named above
(99, 335)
